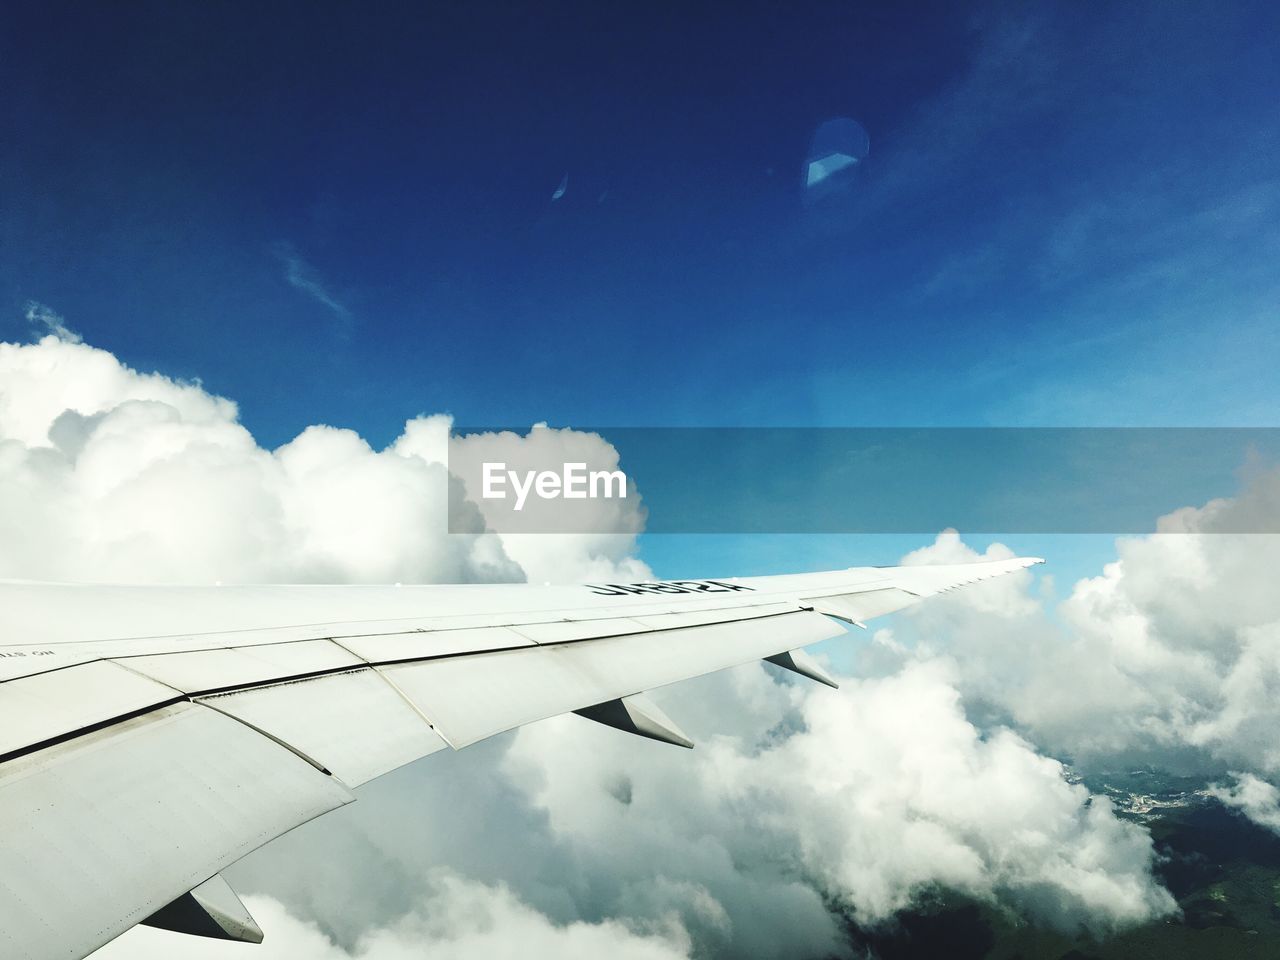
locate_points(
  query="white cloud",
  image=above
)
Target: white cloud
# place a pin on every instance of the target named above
(302, 276)
(879, 792)
(1170, 656)
(111, 474)
(43, 317)
(40, 382)
(1254, 797)
(602, 552)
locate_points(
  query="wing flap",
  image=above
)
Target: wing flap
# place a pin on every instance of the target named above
(102, 831)
(356, 724)
(473, 697)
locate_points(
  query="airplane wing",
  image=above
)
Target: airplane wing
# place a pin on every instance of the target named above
(152, 736)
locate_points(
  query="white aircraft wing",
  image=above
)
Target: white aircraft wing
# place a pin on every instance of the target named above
(151, 736)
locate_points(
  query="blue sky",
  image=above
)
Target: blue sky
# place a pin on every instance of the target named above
(1069, 214)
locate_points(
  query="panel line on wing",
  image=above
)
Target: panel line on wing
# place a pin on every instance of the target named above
(40, 673)
(300, 754)
(399, 693)
(649, 631)
(86, 730)
(354, 724)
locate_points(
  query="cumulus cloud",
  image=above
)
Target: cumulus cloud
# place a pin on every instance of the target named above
(111, 474)
(897, 791)
(869, 796)
(1171, 656)
(589, 535)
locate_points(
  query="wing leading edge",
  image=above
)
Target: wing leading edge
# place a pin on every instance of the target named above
(152, 736)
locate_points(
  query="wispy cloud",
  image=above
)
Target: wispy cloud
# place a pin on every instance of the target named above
(43, 317)
(302, 276)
